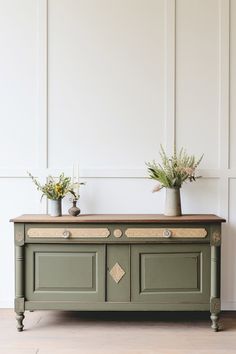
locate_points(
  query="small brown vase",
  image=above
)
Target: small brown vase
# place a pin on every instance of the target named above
(74, 210)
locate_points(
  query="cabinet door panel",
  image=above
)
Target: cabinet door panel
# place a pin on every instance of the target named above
(170, 273)
(65, 272)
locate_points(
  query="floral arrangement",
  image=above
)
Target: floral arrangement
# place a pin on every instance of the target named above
(174, 170)
(75, 190)
(75, 182)
(55, 188)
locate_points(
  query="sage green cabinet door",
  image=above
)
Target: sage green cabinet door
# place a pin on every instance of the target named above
(170, 273)
(65, 272)
(118, 273)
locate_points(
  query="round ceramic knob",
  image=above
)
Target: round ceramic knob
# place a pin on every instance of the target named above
(66, 234)
(117, 233)
(167, 233)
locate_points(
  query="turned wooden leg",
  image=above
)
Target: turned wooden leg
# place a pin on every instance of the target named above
(215, 324)
(19, 319)
(19, 278)
(215, 280)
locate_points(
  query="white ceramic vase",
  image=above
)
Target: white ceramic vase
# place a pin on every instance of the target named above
(55, 207)
(173, 202)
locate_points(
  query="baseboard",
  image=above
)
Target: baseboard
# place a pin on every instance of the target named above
(228, 306)
(6, 304)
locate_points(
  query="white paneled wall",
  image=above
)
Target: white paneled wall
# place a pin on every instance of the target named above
(106, 78)
(105, 82)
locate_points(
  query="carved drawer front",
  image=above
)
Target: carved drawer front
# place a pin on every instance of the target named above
(154, 232)
(67, 232)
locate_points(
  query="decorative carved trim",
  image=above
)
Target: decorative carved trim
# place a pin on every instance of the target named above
(161, 232)
(117, 273)
(73, 233)
(215, 305)
(216, 238)
(117, 233)
(19, 236)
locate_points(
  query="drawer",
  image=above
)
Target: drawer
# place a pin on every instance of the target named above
(60, 232)
(65, 272)
(166, 232)
(170, 273)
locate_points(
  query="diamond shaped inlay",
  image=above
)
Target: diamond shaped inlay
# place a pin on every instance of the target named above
(117, 272)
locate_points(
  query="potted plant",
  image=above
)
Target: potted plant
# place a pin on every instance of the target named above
(171, 174)
(55, 190)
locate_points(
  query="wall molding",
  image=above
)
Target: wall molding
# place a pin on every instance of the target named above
(42, 7)
(106, 173)
(224, 55)
(170, 77)
(42, 26)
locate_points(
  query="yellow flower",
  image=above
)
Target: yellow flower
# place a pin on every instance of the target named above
(58, 188)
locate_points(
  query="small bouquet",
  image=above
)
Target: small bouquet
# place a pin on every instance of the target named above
(174, 170)
(55, 189)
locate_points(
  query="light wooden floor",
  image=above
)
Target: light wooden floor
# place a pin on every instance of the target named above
(54, 332)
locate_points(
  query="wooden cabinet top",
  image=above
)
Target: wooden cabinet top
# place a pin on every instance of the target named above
(120, 218)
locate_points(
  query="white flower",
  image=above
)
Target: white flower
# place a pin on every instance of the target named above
(157, 188)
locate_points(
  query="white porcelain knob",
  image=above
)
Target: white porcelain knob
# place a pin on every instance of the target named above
(66, 234)
(167, 233)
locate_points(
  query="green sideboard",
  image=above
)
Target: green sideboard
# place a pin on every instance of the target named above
(117, 262)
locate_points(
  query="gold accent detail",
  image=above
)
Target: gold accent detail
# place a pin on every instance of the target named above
(19, 236)
(117, 233)
(117, 272)
(216, 238)
(159, 232)
(73, 233)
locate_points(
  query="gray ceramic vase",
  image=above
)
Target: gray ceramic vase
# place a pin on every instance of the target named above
(173, 202)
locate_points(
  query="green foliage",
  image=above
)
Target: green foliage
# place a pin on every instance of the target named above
(55, 189)
(174, 170)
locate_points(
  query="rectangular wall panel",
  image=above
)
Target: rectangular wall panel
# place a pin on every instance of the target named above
(18, 84)
(201, 197)
(233, 84)
(17, 196)
(197, 75)
(106, 82)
